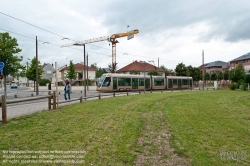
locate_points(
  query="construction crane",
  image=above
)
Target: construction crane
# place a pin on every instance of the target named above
(111, 38)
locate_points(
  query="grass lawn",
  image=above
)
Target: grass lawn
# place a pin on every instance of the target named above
(185, 128)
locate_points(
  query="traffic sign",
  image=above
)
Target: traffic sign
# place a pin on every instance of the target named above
(1, 66)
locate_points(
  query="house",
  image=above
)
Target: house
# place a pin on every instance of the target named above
(91, 74)
(214, 67)
(140, 67)
(48, 70)
(244, 60)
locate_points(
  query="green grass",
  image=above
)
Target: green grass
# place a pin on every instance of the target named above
(147, 128)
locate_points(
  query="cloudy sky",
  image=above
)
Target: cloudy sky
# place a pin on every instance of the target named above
(174, 30)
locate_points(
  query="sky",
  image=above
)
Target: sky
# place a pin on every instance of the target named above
(175, 31)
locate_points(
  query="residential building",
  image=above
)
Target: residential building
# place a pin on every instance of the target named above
(214, 67)
(48, 70)
(244, 60)
(80, 73)
(140, 67)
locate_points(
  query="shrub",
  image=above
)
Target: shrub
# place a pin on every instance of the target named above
(244, 87)
(233, 86)
(43, 82)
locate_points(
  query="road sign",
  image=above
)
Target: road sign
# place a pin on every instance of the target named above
(1, 66)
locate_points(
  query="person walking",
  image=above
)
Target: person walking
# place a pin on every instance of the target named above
(67, 89)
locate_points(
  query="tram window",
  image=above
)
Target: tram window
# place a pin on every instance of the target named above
(106, 82)
(158, 82)
(170, 83)
(174, 82)
(124, 81)
(141, 81)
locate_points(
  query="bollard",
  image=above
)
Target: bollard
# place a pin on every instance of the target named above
(150, 90)
(161, 91)
(54, 100)
(4, 114)
(139, 92)
(15, 96)
(59, 93)
(127, 93)
(49, 101)
(113, 94)
(81, 99)
(207, 88)
(99, 96)
(31, 94)
(81, 91)
(172, 89)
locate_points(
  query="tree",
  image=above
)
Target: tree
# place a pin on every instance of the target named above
(9, 47)
(220, 75)
(196, 74)
(71, 73)
(226, 74)
(113, 67)
(238, 74)
(247, 79)
(31, 72)
(100, 72)
(213, 76)
(94, 65)
(153, 73)
(206, 77)
(180, 70)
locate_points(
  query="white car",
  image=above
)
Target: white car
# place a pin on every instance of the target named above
(13, 85)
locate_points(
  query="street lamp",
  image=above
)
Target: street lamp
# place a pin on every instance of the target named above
(37, 91)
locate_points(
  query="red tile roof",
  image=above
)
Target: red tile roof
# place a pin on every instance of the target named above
(79, 67)
(139, 66)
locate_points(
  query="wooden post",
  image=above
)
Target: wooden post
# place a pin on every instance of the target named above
(113, 94)
(139, 92)
(4, 110)
(81, 99)
(49, 101)
(127, 92)
(99, 96)
(54, 99)
(161, 91)
(150, 90)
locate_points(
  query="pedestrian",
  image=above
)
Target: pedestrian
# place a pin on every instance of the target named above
(67, 89)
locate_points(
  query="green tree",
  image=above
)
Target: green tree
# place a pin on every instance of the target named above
(31, 72)
(181, 70)
(196, 74)
(247, 78)
(220, 75)
(94, 65)
(100, 72)
(153, 73)
(71, 73)
(206, 77)
(9, 47)
(238, 73)
(213, 76)
(226, 74)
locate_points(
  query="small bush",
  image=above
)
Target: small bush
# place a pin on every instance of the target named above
(244, 87)
(43, 82)
(233, 86)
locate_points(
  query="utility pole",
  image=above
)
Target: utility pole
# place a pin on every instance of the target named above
(87, 72)
(203, 70)
(56, 86)
(84, 71)
(37, 93)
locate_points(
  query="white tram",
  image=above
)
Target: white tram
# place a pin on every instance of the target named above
(110, 82)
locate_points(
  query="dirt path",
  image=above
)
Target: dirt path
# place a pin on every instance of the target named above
(154, 144)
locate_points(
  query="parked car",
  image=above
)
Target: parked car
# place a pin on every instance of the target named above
(13, 85)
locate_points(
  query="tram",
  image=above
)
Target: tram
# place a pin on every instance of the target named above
(110, 82)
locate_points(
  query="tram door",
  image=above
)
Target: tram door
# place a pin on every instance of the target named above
(179, 83)
(134, 83)
(114, 83)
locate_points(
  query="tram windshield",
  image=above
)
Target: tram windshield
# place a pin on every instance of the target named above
(104, 81)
